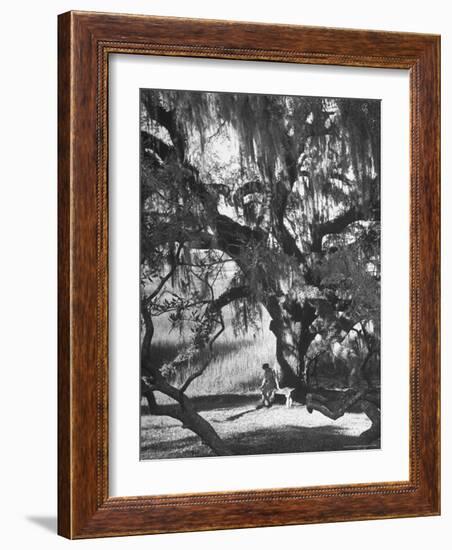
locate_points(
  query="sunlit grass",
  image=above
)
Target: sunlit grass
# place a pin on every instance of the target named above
(236, 366)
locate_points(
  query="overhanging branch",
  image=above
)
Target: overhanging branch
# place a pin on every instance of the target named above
(335, 226)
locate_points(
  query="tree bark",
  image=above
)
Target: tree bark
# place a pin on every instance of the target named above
(184, 410)
(290, 324)
(373, 413)
(358, 397)
(186, 413)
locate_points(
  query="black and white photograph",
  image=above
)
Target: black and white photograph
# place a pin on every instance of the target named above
(259, 274)
(226, 255)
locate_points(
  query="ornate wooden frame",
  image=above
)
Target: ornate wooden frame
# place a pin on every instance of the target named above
(85, 42)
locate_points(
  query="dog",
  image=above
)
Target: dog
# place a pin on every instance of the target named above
(287, 393)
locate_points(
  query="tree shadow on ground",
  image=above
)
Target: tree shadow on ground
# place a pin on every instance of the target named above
(296, 439)
(289, 439)
(231, 400)
(187, 447)
(217, 401)
(250, 429)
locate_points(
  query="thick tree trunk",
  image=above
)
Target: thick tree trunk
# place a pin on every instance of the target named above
(185, 412)
(360, 397)
(290, 324)
(184, 409)
(286, 354)
(373, 413)
(196, 423)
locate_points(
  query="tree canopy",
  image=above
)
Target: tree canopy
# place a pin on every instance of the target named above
(280, 192)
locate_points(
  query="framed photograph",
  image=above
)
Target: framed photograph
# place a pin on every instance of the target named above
(249, 267)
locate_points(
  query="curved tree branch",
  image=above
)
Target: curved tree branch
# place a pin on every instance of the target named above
(150, 141)
(335, 226)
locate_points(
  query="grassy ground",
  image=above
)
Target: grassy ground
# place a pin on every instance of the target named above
(227, 395)
(253, 431)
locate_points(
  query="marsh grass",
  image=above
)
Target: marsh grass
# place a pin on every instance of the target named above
(236, 366)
